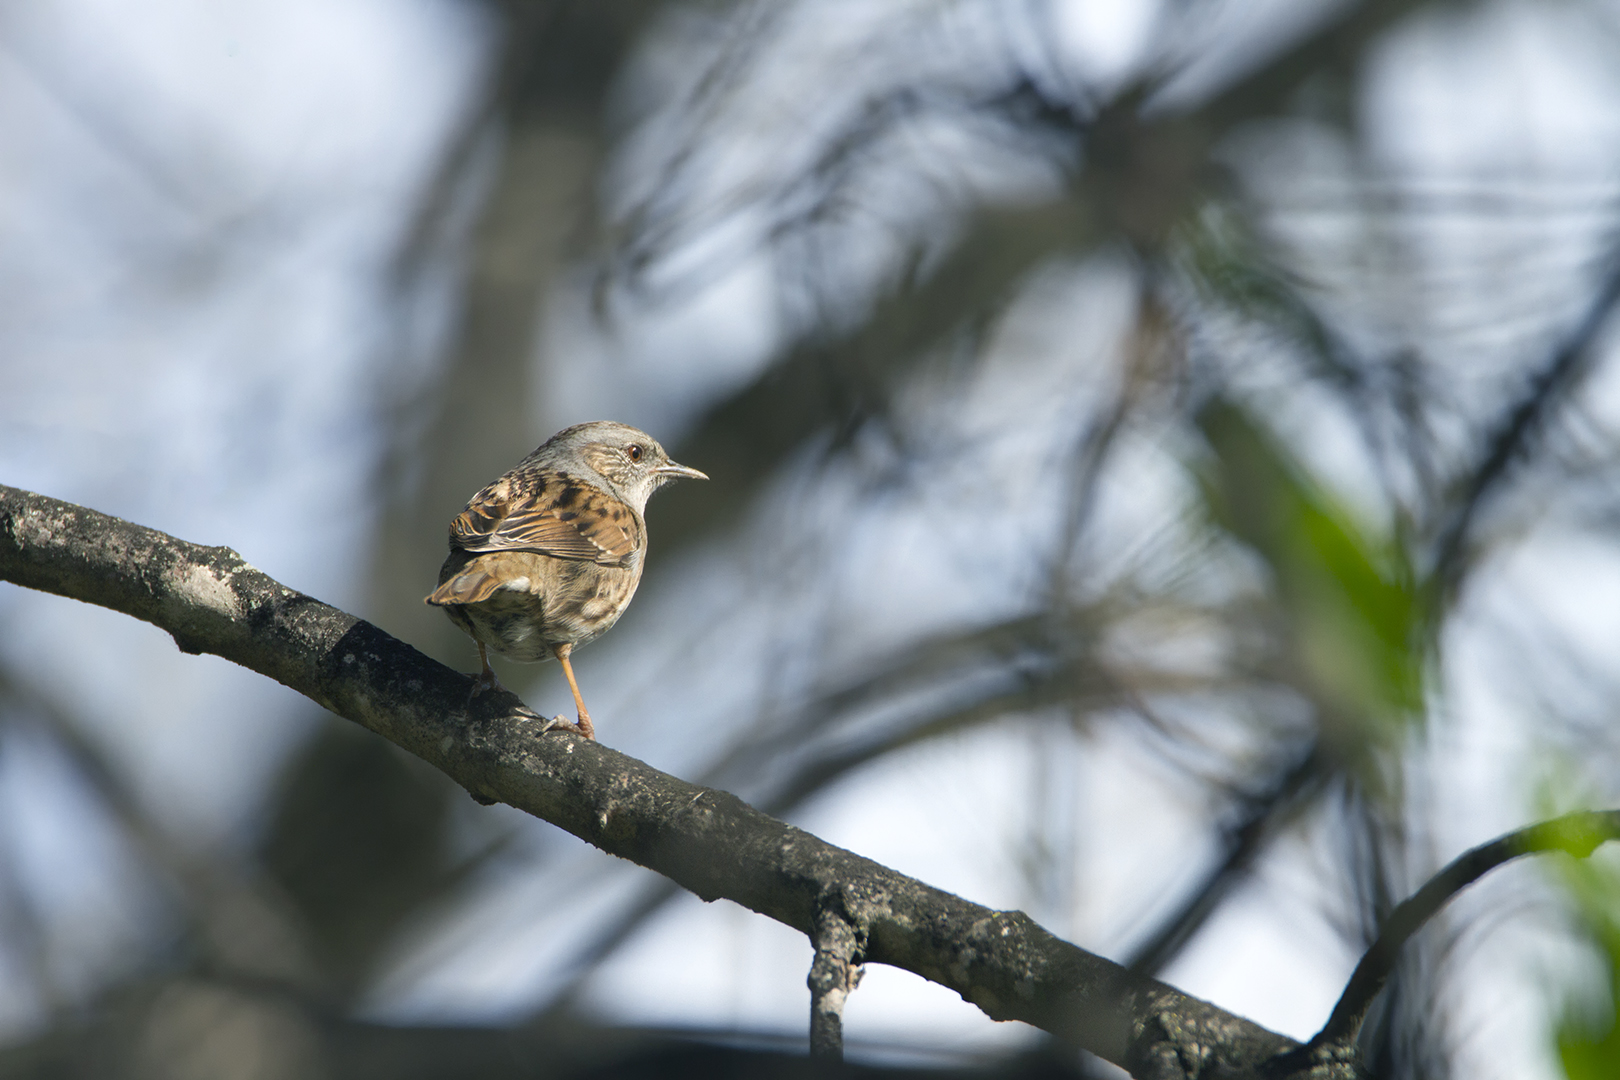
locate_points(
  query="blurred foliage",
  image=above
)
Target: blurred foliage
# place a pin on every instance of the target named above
(1589, 1040)
(1351, 606)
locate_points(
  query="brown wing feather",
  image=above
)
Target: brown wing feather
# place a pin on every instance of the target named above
(552, 513)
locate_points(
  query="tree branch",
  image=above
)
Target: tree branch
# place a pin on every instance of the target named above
(210, 600)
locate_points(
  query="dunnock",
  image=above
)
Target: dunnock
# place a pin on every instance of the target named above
(548, 556)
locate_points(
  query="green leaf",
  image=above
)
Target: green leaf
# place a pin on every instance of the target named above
(1588, 1045)
(1353, 619)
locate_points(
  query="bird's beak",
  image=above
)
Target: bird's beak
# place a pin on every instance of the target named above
(673, 471)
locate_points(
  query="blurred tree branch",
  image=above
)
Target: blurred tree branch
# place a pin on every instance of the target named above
(1515, 429)
(1576, 834)
(1140, 169)
(1241, 842)
(232, 916)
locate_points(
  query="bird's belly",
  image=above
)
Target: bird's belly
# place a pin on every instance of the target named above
(574, 604)
(581, 607)
(513, 629)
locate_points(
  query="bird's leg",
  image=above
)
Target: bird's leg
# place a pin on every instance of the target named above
(586, 728)
(486, 679)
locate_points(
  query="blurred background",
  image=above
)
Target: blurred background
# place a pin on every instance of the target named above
(1166, 466)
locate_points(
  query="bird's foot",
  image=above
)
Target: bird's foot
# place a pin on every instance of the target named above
(581, 727)
(484, 682)
(557, 723)
(547, 723)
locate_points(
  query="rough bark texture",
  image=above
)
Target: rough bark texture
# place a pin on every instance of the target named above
(210, 600)
(834, 974)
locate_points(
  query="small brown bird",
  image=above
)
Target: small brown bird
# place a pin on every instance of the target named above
(548, 556)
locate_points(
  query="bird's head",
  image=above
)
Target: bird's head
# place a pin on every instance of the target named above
(630, 460)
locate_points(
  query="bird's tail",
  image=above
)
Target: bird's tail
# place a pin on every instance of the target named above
(468, 587)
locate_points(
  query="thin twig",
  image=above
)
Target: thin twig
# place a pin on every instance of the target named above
(834, 974)
(1242, 841)
(1522, 422)
(1577, 834)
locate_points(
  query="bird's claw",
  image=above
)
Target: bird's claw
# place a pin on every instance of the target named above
(573, 727)
(547, 723)
(483, 684)
(562, 723)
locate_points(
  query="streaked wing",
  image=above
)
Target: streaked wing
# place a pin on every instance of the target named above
(552, 513)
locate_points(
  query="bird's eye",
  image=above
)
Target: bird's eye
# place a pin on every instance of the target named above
(634, 451)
